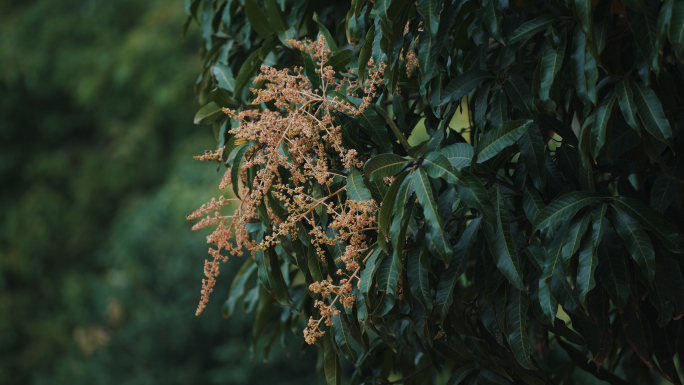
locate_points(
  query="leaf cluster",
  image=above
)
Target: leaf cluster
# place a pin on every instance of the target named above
(545, 234)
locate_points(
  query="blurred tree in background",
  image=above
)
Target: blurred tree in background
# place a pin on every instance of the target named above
(97, 263)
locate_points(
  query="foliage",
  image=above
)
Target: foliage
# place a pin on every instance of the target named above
(95, 266)
(542, 240)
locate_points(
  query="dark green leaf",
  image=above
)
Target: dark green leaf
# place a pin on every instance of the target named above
(476, 197)
(502, 245)
(356, 188)
(612, 267)
(436, 165)
(578, 226)
(626, 102)
(519, 93)
(257, 19)
(235, 166)
(598, 129)
(208, 114)
(502, 136)
(492, 19)
(224, 76)
(651, 112)
(463, 84)
(331, 362)
(637, 241)
(388, 203)
(551, 266)
(418, 268)
(652, 221)
(516, 320)
(329, 40)
(531, 146)
(368, 273)
(564, 206)
(551, 62)
(663, 192)
(529, 28)
(459, 155)
(384, 165)
(577, 64)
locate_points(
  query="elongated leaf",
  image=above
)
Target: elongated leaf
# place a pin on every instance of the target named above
(459, 155)
(501, 137)
(651, 113)
(598, 129)
(235, 166)
(555, 125)
(332, 45)
(388, 203)
(587, 262)
(661, 294)
(663, 191)
(208, 114)
(492, 18)
(375, 125)
(463, 84)
(532, 204)
(612, 267)
(626, 102)
(529, 28)
(551, 262)
(564, 206)
(516, 319)
(676, 32)
(384, 165)
(257, 19)
(421, 184)
(247, 71)
(476, 197)
(436, 165)
(583, 15)
(356, 189)
(520, 95)
(577, 64)
(499, 111)
(502, 245)
(532, 150)
(637, 242)
(224, 76)
(387, 278)
(578, 226)
(343, 337)
(551, 62)
(418, 268)
(331, 362)
(368, 273)
(652, 221)
(448, 280)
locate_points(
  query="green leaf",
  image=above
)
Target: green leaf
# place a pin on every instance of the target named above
(516, 320)
(247, 71)
(460, 155)
(551, 62)
(564, 206)
(529, 28)
(275, 15)
(492, 18)
(612, 268)
(448, 280)
(626, 102)
(418, 268)
(499, 103)
(551, 262)
(502, 245)
(676, 32)
(356, 189)
(661, 292)
(560, 128)
(588, 258)
(652, 115)
(637, 242)
(421, 184)
(663, 191)
(343, 337)
(598, 129)
(652, 221)
(257, 19)
(235, 167)
(532, 204)
(208, 114)
(519, 93)
(463, 84)
(387, 278)
(388, 203)
(331, 362)
(224, 76)
(436, 165)
(366, 51)
(644, 25)
(502, 136)
(369, 271)
(476, 197)
(237, 288)
(578, 226)
(531, 146)
(384, 165)
(329, 40)
(375, 125)
(577, 65)
(583, 15)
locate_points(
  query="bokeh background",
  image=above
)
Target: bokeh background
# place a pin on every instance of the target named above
(99, 271)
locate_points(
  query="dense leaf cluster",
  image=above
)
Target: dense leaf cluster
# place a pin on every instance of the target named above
(544, 235)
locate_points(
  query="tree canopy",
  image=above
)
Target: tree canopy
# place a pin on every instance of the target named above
(533, 235)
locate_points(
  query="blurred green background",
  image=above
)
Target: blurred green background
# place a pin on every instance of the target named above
(99, 271)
